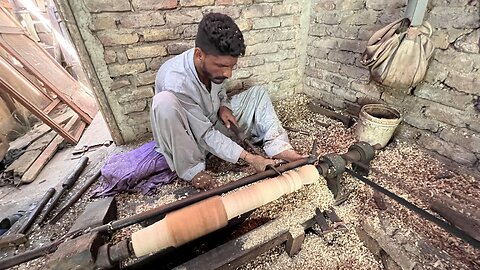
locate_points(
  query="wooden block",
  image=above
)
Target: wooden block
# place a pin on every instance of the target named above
(296, 236)
(96, 213)
(79, 253)
(42, 160)
(379, 243)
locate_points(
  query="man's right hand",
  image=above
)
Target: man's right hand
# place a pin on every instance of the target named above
(258, 162)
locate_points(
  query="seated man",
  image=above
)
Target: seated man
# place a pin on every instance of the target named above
(190, 99)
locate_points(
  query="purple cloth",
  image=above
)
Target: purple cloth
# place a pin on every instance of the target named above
(142, 169)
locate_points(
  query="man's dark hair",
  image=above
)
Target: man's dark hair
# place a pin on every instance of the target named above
(219, 35)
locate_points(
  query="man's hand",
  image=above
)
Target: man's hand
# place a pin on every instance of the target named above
(227, 116)
(259, 163)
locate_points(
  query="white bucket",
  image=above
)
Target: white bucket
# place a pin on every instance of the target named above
(377, 123)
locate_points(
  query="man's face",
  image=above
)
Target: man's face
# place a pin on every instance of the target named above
(218, 68)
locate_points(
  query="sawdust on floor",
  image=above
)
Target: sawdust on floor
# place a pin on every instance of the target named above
(339, 250)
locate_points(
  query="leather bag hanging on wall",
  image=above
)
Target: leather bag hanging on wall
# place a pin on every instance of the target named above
(398, 54)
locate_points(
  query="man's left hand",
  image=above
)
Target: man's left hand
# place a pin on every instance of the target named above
(227, 116)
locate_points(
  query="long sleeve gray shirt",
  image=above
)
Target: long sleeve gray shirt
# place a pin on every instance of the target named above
(179, 76)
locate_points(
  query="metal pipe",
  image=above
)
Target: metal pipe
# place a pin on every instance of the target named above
(67, 184)
(31, 218)
(75, 197)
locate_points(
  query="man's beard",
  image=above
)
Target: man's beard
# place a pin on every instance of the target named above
(216, 80)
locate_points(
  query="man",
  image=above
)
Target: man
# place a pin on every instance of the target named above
(190, 100)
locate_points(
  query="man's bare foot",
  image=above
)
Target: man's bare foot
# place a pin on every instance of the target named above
(289, 155)
(204, 181)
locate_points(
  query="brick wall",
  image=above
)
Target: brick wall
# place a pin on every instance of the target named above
(129, 40)
(310, 46)
(442, 114)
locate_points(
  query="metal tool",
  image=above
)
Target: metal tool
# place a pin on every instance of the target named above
(75, 197)
(79, 152)
(69, 182)
(242, 137)
(34, 214)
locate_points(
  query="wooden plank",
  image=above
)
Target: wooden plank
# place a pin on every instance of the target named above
(21, 165)
(41, 5)
(38, 132)
(79, 131)
(4, 67)
(27, 19)
(46, 69)
(7, 20)
(51, 106)
(47, 154)
(12, 77)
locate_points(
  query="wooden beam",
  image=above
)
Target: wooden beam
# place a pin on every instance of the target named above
(47, 154)
(51, 106)
(454, 213)
(25, 102)
(315, 107)
(61, 83)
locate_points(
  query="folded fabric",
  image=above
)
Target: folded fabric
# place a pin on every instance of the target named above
(142, 169)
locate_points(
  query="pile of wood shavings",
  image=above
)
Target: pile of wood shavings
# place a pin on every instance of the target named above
(334, 251)
(416, 176)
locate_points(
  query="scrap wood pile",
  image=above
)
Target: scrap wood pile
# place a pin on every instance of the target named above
(28, 154)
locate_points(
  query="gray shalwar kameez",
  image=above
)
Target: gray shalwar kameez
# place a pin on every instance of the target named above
(186, 126)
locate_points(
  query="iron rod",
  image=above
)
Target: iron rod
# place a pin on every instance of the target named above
(31, 218)
(75, 197)
(67, 184)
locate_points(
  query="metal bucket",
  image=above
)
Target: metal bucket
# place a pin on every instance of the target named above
(377, 123)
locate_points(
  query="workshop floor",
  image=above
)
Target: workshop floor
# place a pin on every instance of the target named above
(13, 199)
(337, 251)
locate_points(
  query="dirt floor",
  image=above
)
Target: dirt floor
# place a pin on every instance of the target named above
(400, 167)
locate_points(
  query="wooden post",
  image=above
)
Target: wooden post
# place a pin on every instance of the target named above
(296, 236)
